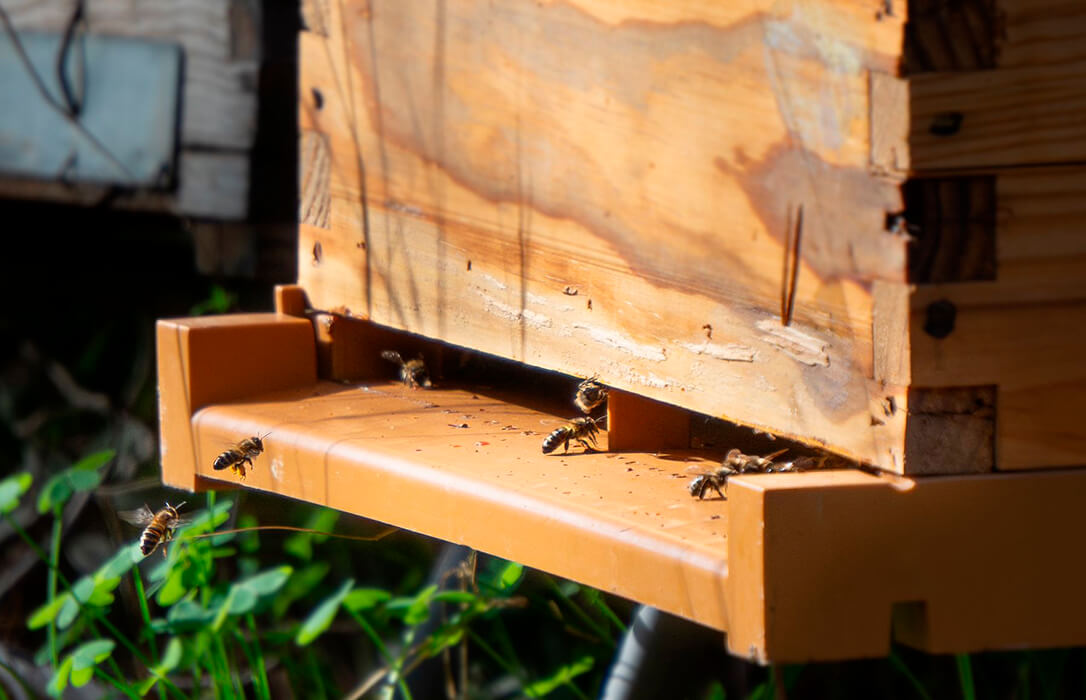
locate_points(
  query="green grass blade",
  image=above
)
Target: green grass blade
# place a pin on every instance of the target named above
(965, 677)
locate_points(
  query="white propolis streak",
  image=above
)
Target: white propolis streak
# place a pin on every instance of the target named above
(795, 343)
(732, 352)
(510, 313)
(624, 343)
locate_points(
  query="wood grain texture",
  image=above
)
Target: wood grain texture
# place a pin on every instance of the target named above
(1030, 115)
(549, 182)
(953, 227)
(1041, 32)
(315, 198)
(1032, 351)
(951, 431)
(982, 34)
(1041, 233)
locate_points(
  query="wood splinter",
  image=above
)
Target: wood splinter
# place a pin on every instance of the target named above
(790, 273)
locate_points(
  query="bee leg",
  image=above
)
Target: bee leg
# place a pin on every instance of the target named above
(586, 446)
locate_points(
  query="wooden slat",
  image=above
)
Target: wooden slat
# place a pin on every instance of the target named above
(1032, 351)
(213, 184)
(221, 59)
(1041, 233)
(551, 182)
(1041, 32)
(979, 34)
(1008, 117)
(1023, 330)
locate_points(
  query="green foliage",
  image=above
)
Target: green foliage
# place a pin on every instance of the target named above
(561, 677)
(12, 490)
(965, 676)
(322, 615)
(170, 660)
(205, 620)
(301, 544)
(84, 475)
(218, 301)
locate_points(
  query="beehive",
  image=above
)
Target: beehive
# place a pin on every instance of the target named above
(827, 220)
(745, 210)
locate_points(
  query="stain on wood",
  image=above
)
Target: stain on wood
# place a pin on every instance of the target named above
(951, 430)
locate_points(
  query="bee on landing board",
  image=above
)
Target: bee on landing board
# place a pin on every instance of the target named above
(590, 395)
(716, 480)
(157, 527)
(735, 462)
(583, 430)
(413, 372)
(240, 454)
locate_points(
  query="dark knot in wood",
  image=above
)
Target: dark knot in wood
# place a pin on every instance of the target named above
(939, 318)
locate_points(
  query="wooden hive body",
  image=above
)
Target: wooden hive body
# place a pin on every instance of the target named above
(711, 205)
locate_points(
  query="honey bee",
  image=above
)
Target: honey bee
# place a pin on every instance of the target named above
(716, 480)
(590, 395)
(735, 462)
(240, 454)
(412, 372)
(157, 527)
(583, 430)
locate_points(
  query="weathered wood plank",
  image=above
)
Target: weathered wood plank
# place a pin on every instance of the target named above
(496, 183)
(1041, 233)
(998, 118)
(982, 34)
(1032, 351)
(212, 184)
(1041, 426)
(951, 431)
(221, 56)
(1041, 32)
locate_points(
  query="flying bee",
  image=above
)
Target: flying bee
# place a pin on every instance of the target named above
(241, 454)
(413, 372)
(583, 430)
(157, 527)
(590, 395)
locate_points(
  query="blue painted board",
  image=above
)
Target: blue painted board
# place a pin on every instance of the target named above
(130, 103)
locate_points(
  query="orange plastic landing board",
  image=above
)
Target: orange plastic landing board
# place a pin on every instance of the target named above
(469, 469)
(795, 567)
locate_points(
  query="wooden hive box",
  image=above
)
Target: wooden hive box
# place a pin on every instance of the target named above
(853, 224)
(821, 219)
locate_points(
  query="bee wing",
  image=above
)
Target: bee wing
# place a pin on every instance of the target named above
(139, 517)
(392, 356)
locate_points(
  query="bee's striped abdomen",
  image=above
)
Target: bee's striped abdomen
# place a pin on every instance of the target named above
(227, 459)
(552, 441)
(152, 536)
